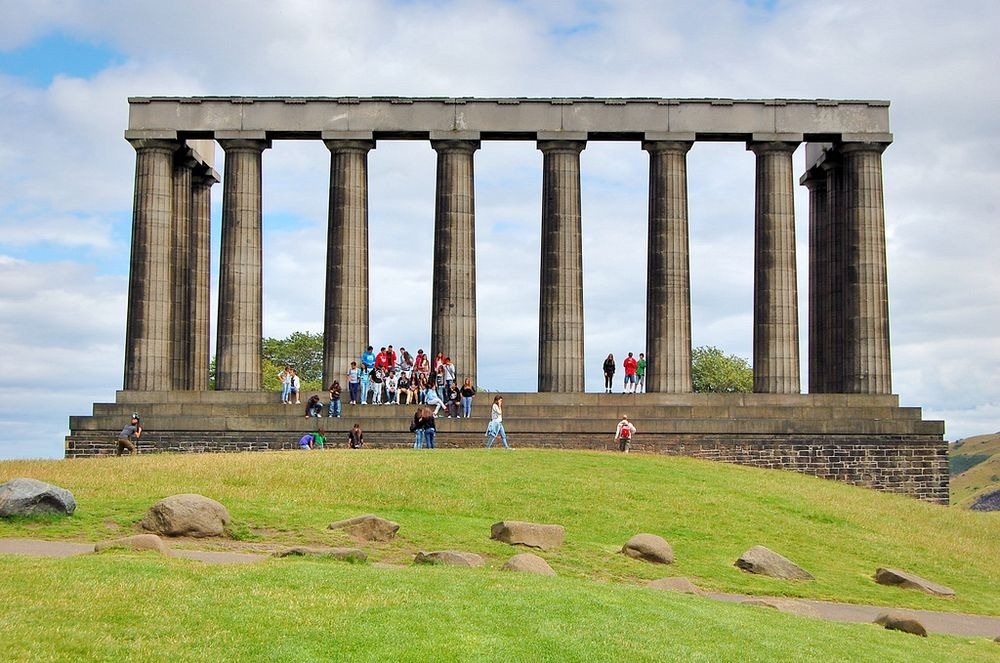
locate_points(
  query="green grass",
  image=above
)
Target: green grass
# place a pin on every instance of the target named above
(975, 467)
(123, 605)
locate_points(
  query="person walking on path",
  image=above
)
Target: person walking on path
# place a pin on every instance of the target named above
(129, 437)
(495, 428)
(609, 373)
(624, 433)
(630, 365)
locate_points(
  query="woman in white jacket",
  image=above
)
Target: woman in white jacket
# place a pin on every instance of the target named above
(495, 429)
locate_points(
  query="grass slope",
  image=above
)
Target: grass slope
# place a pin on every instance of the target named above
(140, 606)
(981, 455)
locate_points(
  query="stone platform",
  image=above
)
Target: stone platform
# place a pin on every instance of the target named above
(865, 440)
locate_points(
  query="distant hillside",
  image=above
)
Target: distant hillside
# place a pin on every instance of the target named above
(975, 468)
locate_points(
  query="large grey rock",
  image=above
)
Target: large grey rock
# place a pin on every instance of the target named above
(766, 562)
(187, 515)
(900, 622)
(138, 542)
(528, 563)
(368, 527)
(29, 497)
(342, 554)
(533, 535)
(885, 576)
(675, 584)
(649, 547)
(987, 502)
(449, 558)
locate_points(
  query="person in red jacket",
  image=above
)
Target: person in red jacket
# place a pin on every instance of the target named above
(630, 365)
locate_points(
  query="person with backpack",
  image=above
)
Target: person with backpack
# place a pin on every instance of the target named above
(624, 434)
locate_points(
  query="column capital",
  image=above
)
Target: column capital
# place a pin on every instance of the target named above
(243, 144)
(772, 146)
(669, 146)
(451, 145)
(162, 144)
(349, 145)
(862, 146)
(549, 146)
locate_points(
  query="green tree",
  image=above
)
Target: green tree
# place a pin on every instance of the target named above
(712, 371)
(303, 351)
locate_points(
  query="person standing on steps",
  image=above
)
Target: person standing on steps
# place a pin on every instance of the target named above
(629, 365)
(335, 408)
(624, 433)
(129, 437)
(640, 374)
(609, 373)
(285, 377)
(296, 382)
(495, 428)
(354, 383)
(367, 365)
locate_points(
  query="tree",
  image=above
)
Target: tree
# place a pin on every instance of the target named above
(715, 372)
(303, 351)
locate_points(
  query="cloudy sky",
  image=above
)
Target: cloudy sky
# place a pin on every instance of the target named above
(66, 173)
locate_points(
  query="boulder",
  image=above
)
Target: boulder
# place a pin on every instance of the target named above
(885, 576)
(900, 622)
(187, 515)
(342, 554)
(448, 558)
(987, 502)
(368, 528)
(533, 535)
(137, 542)
(29, 497)
(528, 563)
(676, 584)
(650, 548)
(766, 562)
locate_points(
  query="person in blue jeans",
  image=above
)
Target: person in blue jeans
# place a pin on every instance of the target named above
(495, 429)
(354, 383)
(423, 428)
(335, 399)
(367, 365)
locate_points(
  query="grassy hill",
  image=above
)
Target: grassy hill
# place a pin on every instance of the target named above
(975, 467)
(136, 606)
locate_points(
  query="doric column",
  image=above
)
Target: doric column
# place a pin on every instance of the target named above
(560, 315)
(201, 268)
(182, 270)
(776, 324)
(238, 348)
(345, 323)
(148, 350)
(866, 344)
(821, 268)
(453, 309)
(668, 277)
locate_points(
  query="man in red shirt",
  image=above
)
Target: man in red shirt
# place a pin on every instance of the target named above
(381, 360)
(630, 365)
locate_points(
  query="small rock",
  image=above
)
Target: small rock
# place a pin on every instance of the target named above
(30, 497)
(763, 561)
(449, 558)
(900, 622)
(533, 535)
(885, 576)
(528, 563)
(368, 528)
(675, 584)
(187, 515)
(342, 554)
(137, 542)
(649, 547)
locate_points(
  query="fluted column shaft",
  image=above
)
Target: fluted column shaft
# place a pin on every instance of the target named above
(560, 317)
(453, 318)
(668, 276)
(183, 270)
(345, 323)
(776, 326)
(238, 347)
(201, 269)
(821, 268)
(148, 334)
(866, 343)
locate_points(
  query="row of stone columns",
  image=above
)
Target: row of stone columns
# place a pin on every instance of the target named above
(167, 344)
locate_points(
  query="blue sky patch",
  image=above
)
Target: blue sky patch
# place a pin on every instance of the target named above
(43, 59)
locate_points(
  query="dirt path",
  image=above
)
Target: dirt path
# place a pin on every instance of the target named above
(949, 623)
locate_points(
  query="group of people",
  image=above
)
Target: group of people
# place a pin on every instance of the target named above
(355, 438)
(635, 374)
(424, 429)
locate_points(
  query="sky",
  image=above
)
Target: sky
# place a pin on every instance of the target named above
(67, 69)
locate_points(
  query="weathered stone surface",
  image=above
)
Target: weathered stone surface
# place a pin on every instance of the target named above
(533, 535)
(137, 542)
(649, 547)
(343, 554)
(763, 561)
(675, 584)
(899, 622)
(187, 515)
(886, 576)
(987, 502)
(449, 558)
(791, 606)
(30, 497)
(368, 527)
(528, 563)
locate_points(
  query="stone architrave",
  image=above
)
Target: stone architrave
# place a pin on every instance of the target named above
(668, 275)
(560, 300)
(650, 548)
(533, 535)
(187, 515)
(776, 317)
(453, 297)
(240, 327)
(345, 323)
(30, 497)
(763, 561)
(148, 332)
(895, 577)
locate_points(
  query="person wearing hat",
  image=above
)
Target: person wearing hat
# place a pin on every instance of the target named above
(624, 433)
(129, 437)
